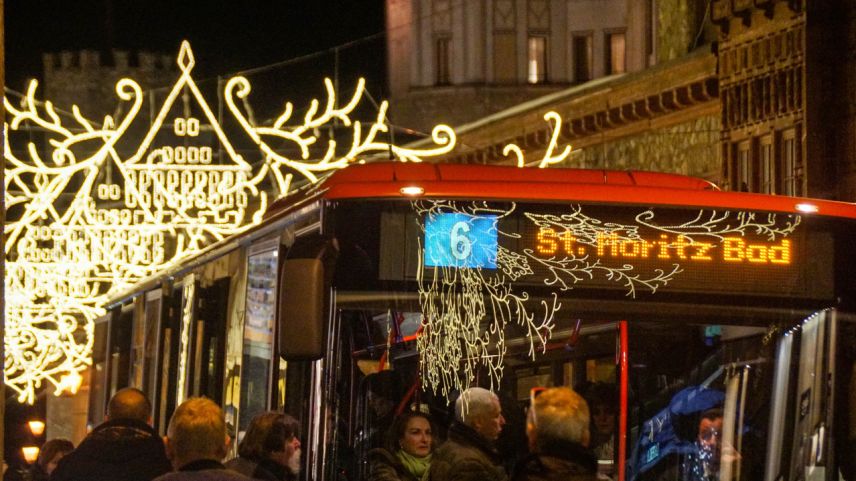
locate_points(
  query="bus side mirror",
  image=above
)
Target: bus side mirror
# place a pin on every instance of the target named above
(305, 280)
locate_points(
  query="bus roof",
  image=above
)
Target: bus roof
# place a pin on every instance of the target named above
(490, 182)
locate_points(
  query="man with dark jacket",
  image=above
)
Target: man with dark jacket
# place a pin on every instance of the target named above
(469, 453)
(123, 447)
(558, 432)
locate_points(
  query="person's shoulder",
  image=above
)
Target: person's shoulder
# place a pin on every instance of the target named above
(241, 465)
(204, 475)
(380, 454)
(450, 446)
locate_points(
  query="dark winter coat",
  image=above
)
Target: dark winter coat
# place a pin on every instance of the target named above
(264, 470)
(385, 466)
(118, 449)
(466, 456)
(203, 470)
(37, 473)
(559, 461)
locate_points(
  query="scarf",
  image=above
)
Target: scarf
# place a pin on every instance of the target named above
(415, 466)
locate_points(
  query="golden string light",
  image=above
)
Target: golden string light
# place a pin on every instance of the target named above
(550, 157)
(87, 220)
(466, 308)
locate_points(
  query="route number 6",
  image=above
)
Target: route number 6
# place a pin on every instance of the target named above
(460, 243)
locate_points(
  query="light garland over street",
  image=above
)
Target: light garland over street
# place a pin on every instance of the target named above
(87, 221)
(90, 219)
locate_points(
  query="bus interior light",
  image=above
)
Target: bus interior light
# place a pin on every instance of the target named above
(412, 190)
(807, 208)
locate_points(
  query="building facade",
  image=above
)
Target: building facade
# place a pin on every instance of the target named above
(456, 61)
(772, 110)
(786, 77)
(634, 81)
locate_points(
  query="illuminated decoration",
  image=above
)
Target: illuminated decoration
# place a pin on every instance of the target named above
(549, 157)
(572, 246)
(70, 383)
(465, 309)
(106, 207)
(304, 138)
(475, 270)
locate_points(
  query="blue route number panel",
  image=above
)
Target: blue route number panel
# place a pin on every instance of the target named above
(460, 240)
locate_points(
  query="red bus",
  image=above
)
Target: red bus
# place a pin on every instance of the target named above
(658, 297)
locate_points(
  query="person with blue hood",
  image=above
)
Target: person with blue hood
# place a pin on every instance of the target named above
(672, 444)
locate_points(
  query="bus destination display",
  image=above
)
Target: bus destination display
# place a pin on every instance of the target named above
(460, 240)
(549, 243)
(636, 249)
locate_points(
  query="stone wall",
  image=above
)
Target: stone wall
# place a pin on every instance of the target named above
(422, 109)
(679, 25)
(690, 148)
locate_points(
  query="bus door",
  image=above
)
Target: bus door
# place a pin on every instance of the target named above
(119, 370)
(257, 351)
(167, 362)
(209, 327)
(745, 403)
(151, 317)
(805, 374)
(98, 372)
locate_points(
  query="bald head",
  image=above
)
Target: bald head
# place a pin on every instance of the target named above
(129, 403)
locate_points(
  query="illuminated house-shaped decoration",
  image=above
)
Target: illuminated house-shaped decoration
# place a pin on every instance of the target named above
(87, 222)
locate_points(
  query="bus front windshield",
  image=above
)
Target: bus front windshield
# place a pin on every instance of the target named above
(687, 383)
(673, 392)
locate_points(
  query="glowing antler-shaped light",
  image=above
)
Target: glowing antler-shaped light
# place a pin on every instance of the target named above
(79, 238)
(550, 158)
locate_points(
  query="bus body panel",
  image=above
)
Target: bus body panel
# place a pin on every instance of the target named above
(762, 352)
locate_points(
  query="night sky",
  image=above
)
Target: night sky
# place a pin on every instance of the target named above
(227, 35)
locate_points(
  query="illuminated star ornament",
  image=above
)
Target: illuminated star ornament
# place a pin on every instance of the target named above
(102, 205)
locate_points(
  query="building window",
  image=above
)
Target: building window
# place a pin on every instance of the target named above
(744, 167)
(504, 57)
(615, 52)
(791, 172)
(768, 169)
(537, 59)
(443, 67)
(582, 46)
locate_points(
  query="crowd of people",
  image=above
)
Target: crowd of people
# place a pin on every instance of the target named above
(557, 428)
(126, 447)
